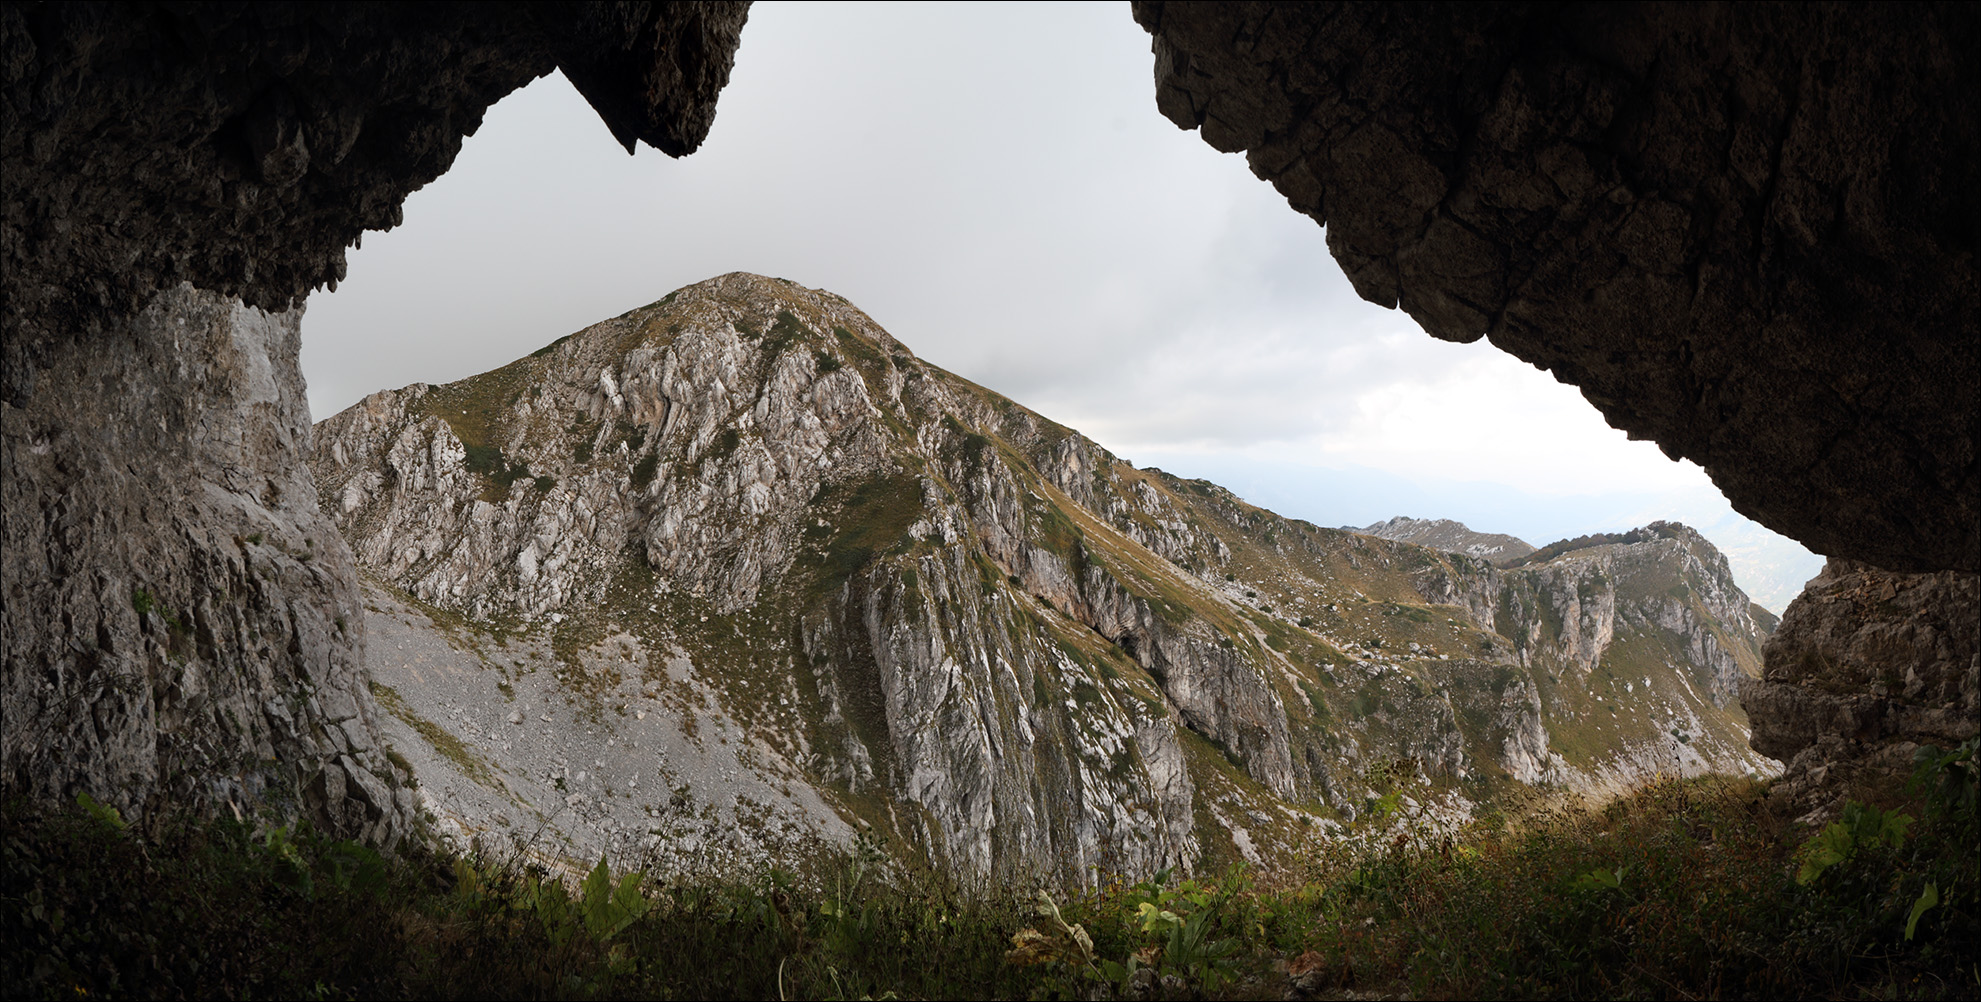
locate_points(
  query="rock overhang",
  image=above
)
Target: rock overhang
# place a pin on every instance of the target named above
(1747, 233)
(182, 623)
(243, 147)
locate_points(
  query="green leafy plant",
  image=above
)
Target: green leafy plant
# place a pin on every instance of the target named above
(1949, 780)
(1860, 826)
(105, 815)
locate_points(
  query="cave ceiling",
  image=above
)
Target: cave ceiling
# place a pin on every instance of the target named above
(1745, 231)
(243, 147)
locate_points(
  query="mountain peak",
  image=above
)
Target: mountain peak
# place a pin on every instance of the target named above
(1451, 537)
(755, 306)
(741, 531)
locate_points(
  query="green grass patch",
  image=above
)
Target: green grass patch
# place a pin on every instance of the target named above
(863, 521)
(479, 407)
(643, 471)
(200, 909)
(785, 330)
(552, 346)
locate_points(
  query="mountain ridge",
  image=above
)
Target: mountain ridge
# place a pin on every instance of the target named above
(1452, 536)
(987, 636)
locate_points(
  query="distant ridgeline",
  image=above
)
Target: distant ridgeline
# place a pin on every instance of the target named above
(1656, 530)
(746, 526)
(1452, 537)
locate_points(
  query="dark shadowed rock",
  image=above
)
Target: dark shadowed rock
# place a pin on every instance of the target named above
(1866, 666)
(1747, 232)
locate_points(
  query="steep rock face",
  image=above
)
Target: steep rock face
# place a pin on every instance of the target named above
(208, 649)
(1567, 611)
(1746, 232)
(976, 630)
(1606, 617)
(737, 449)
(726, 453)
(156, 505)
(1866, 666)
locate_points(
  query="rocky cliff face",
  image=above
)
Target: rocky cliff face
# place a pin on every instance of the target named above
(1866, 667)
(181, 624)
(981, 633)
(209, 651)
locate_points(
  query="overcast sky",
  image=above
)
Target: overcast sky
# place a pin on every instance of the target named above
(994, 185)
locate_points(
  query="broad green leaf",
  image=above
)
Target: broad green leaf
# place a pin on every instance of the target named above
(1827, 848)
(1927, 899)
(102, 812)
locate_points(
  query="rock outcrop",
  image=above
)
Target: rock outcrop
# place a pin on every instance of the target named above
(181, 621)
(975, 630)
(1867, 666)
(1746, 232)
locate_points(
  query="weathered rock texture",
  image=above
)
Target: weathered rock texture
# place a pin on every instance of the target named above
(1866, 666)
(182, 623)
(1747, 232)
(975, 629)
(242, 147)
(180, 620)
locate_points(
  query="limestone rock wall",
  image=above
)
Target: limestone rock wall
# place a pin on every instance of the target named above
(1020, 761)
(182, 621)
(1567, 612)
(1035, 657)
(702, 454)
(743, 445)
(1866, 666)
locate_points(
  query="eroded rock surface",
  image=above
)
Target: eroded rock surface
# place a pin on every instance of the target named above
(180, 621)
(1866, 666)
(1747, 232)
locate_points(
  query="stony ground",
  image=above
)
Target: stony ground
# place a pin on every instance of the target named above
(517, 753)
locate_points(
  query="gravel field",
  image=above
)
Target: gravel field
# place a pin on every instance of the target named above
(645, 766)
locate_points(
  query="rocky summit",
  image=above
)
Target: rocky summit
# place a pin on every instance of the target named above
(1444, 534)
(735, 575)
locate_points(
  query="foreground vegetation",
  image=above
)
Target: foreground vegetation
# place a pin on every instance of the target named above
(1685, 889)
